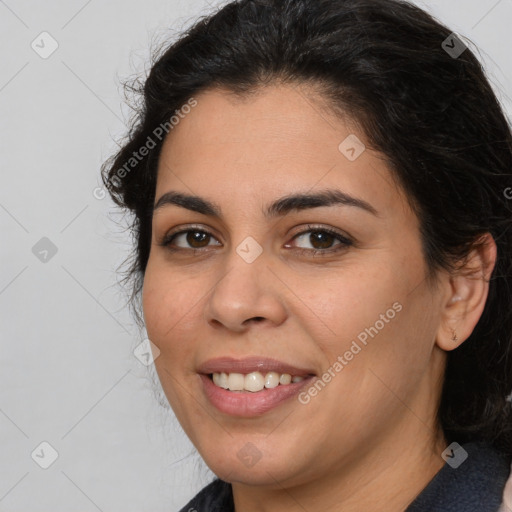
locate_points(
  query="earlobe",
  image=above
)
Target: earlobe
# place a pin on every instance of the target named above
(467, 294)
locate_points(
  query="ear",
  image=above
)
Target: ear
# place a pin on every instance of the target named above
(467, 292)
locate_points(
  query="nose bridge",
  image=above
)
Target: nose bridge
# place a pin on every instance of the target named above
(245, 264)
(243, 292)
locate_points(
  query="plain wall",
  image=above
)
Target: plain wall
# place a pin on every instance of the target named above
(68, 376)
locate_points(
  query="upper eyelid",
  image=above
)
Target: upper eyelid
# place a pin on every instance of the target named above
(180, 231)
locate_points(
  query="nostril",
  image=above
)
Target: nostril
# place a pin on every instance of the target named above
(255, 319)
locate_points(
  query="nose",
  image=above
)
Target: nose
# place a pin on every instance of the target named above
(246, 293)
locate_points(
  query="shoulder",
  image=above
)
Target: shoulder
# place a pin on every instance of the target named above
(476, 482)
(215, 497)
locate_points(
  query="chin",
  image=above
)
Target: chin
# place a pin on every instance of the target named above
(249, 467)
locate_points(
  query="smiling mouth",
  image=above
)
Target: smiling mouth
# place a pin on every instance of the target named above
(251, 386)
(244, 403)
(254, 381)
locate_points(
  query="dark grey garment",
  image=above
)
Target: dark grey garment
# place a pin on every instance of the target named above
(475, 486)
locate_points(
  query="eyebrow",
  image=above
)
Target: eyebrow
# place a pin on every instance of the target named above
(280, 207)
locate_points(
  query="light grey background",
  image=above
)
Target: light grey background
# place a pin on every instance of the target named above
(67, 372)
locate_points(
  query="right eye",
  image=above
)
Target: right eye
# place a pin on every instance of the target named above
(195, 238)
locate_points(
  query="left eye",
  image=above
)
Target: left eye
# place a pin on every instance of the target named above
(321, 239)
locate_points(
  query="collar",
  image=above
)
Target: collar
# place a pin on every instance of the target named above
(474, 486)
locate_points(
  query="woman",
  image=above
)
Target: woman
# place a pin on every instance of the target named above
(322, 214)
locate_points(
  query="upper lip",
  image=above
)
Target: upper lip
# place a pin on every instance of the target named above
(251, 364)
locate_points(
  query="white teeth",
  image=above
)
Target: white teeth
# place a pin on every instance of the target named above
(236, 382)
(221, 380)
(254, 381)
(271, 380)
(285, 378)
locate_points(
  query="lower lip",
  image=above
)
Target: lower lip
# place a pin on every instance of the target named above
(246, 404)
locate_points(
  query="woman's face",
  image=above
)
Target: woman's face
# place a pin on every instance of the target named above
(350, 311)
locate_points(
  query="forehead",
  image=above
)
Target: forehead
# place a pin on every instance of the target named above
(276, 141)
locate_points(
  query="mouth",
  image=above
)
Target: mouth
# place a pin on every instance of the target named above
(251, 386)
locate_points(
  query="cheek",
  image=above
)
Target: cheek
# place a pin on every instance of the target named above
(381, 324)
(385, 353)
(169, 305)
(350, 302)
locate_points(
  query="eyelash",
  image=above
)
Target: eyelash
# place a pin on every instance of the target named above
(344, 241)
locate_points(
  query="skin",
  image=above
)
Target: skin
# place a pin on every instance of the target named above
(369, 440)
